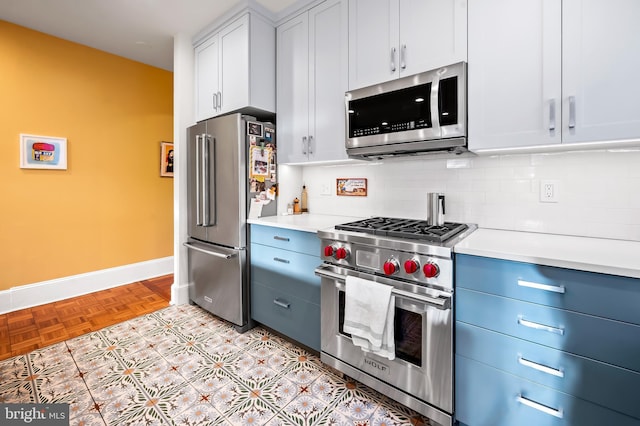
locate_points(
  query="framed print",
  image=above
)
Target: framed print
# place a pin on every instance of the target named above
(351, 186)
(260, 162)
(166, 159)
(43, 152)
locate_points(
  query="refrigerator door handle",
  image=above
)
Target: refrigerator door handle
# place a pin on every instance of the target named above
(212, 253)
(198, 181)
(209, 157)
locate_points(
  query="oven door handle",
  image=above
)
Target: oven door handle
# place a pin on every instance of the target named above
(442, 303)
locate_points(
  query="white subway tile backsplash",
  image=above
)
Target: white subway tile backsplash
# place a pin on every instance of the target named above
(599, 191)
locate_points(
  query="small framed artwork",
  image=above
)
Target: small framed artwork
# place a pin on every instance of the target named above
(166, 159)
(351, 186)
(43, 152)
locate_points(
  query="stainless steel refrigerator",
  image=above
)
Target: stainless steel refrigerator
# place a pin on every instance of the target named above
(231, 170)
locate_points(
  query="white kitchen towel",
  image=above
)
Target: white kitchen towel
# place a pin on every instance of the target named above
(369, 313)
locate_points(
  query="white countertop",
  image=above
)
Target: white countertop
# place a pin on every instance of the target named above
(616, 257)
(308, 222)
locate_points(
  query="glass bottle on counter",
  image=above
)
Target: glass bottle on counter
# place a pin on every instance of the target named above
(303, 198)
(296, 206)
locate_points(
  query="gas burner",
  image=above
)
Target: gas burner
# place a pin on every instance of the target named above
(405, 228)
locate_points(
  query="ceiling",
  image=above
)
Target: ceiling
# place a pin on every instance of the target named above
(141, 30)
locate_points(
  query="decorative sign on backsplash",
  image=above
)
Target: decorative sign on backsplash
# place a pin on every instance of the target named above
(351, 186)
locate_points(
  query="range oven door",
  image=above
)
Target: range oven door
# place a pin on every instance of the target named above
(423, 367)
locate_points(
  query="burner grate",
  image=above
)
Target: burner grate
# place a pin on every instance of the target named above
(405, 228)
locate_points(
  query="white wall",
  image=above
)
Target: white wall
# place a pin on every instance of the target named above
(599, 191)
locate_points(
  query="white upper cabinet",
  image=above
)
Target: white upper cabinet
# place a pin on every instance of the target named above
(544, 72)
(389, 39)
(235, 68)
(601, 70)
(312, 79)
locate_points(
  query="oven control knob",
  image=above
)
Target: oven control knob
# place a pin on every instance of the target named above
(411, 266)
(329, 251)
(431, 270)
(390, 267)
(342, 253)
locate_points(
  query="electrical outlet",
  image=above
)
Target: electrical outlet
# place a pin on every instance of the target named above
(549, 191)
(325, 189)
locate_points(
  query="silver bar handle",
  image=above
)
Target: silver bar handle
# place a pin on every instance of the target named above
(439, 303)
(198, 181)
(304, 145)
(279, 238)
(572, 112)
(310, 145)
(545, 369)
(538, 326)
(278, 259)
(552, 115)
(281, 303)
(219, 100)
(543, 408)
(393, 59)
(212, 253)
(544, 287)
(215, 101)
(403, 55)
(205, 181)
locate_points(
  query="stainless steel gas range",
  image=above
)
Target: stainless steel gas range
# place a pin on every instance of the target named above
(416, 259)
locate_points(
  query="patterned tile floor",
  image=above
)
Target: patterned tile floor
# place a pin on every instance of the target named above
(182, 366)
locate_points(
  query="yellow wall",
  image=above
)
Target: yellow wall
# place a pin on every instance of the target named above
(110, 207)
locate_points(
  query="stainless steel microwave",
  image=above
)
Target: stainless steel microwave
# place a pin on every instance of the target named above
(417, 114)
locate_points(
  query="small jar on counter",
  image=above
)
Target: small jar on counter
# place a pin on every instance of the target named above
(290, 208)
(296, 206)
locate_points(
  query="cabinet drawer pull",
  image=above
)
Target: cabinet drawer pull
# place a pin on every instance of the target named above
(552, 115)
(280, 238)
(545, 287)
(545, 369)
(537, 406)
(282, 304)
(572, 112)
(277, 259)
(539, 326)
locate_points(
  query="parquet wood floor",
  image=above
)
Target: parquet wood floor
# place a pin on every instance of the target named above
(32, 328)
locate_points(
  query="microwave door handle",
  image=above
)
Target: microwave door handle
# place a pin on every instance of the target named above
(435, 105)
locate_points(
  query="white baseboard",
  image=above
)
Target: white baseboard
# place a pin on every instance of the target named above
(27, 296)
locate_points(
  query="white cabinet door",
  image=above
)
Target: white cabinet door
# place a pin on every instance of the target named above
(433, 33)
(394, 38)
(234, 65)
(293, 89)
(328, 66)
(514, 74)
(601, 70)
(373, 42)
(207, 78)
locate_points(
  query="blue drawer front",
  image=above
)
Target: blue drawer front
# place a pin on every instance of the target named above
(594, 381)
(602, 295)
(295, 318)
(486, 396)
(288, 239)
(605, 340)
(288, 271)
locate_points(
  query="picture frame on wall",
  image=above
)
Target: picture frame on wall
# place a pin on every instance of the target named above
(43, 152)
(166, 159)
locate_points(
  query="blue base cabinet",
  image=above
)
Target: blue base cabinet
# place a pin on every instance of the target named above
(285, 292)
(540, 345)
